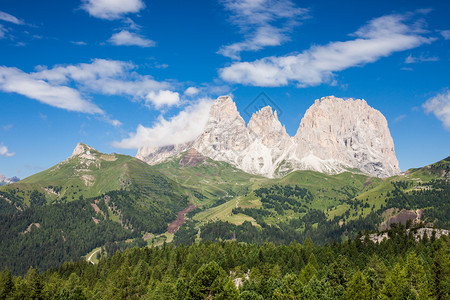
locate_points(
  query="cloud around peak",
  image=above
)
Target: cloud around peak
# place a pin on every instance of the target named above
(184, 127)
(379, 38)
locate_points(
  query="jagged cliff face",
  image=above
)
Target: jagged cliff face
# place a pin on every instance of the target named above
(333, 136)
(270, 145)
(225, 136)
(337, 133)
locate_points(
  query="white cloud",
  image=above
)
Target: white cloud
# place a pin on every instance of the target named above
(80, 43)
(399, 118)
(263, 23)
(182, 128)
(413, 59)
(4, 151)
(10, 18)
(439, 105)
(379, 38)
(65, 86)
(13, 80)
(108, 77)
(127, 38)
(446, 34)
(191, 91)
(115, 123)
(7, 127)
(161, 98)
(112, 9)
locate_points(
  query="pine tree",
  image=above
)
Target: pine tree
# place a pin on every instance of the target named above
(416, 277)
(207, 282)
(34, 283)
(6, 283)
(441, 271)
(396, 286)
(358, 288)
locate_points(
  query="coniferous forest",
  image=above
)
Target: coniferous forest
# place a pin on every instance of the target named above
(397, 268)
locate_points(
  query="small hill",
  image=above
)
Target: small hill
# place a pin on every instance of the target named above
(438, 170)
(89, 200)
(87, 173)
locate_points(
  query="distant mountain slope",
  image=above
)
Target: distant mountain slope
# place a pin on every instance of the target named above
(207, 181)
(88, 173)
(87, 201)
(325, 207)
(440, 169)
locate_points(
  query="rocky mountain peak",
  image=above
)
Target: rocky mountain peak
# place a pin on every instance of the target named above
(265, 124)
(225, 133)
(223, 108)
(350, 132)
(334, 135)
(82, 149)
(4, 180)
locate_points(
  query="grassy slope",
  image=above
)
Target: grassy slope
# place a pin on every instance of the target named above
(217, 187)
(331, 192)
(152, 192)
(106, 173)
(210, 180)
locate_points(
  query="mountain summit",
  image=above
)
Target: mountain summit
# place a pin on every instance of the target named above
(334, 135)
(4, 180)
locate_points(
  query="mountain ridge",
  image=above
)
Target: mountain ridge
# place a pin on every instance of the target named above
(334, 135)
(5, 181)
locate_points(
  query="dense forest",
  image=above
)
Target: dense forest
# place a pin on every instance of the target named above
(44, 236)
(431, 196)
(397, 268)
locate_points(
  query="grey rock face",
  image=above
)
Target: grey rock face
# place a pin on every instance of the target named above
(156, 155)
(225, 136)
(334, 135)
(337, 133)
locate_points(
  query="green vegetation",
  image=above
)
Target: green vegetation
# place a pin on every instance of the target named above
(42, 225)
(397, 268)
(322, 207)
(114, 202)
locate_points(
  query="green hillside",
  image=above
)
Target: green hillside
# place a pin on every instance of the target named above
(86, 175)
(95, 202)
(89, 200)
(209, 181)
(324, 207)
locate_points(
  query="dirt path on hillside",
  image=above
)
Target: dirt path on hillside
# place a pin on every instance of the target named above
(89, 259)
(175, 225)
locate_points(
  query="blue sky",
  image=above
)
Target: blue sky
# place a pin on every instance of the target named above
(117, 74)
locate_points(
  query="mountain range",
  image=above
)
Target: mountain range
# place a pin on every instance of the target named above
(228, 184)
(334, 136)
(4, 180)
